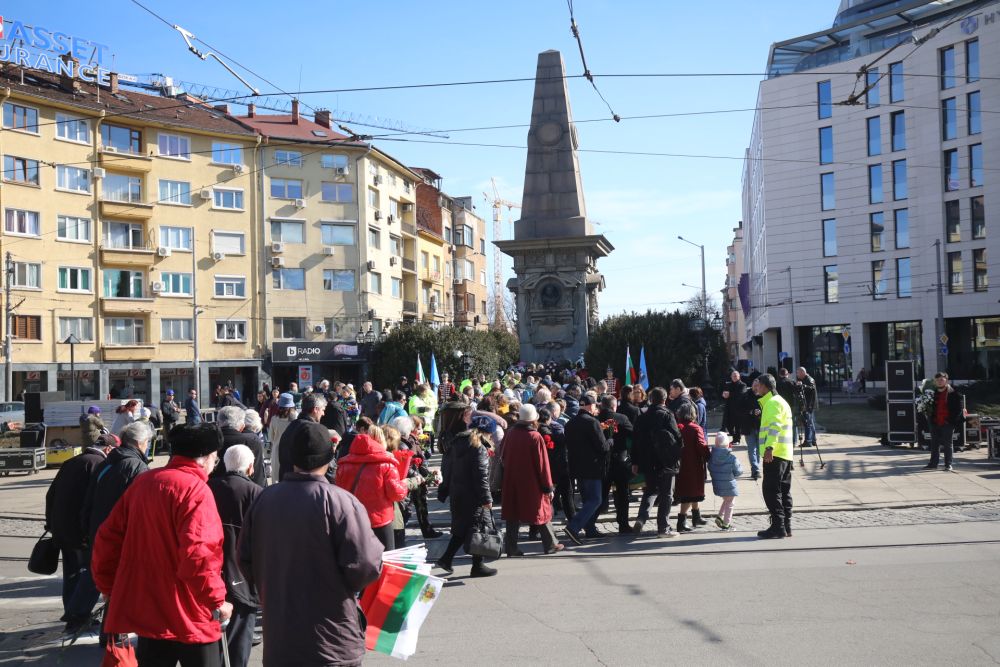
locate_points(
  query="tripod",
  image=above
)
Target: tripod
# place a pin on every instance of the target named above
(802, 461)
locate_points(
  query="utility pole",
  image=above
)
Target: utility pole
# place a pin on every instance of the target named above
(942, 362)
(791, 305)
(194, 316)
(8, 373)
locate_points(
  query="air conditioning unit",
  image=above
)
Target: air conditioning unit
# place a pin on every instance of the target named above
(206, 194)
(343, 171)
(390, 219)
(377, 180)
(329, 250)
(378, 214)
(407, 208)
(371, 264)
(300, 203)
(108, 149)
(163, 251)
(238, 169)
(393, 261)
(218, 256)
(156, 287)
(319, 328)
(277, 262)
(99, 172)
(277, 247)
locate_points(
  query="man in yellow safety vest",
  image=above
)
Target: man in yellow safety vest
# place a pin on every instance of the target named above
(776, 451)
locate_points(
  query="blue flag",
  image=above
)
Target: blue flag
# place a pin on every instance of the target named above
(435, 380)
(643, 376)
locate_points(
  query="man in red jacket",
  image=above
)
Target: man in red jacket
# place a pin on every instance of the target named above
(158, 557)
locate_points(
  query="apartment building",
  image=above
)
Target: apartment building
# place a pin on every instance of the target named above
(335, 214)
(733, 313)
(467, 236)
(865, 196)
(129, 222)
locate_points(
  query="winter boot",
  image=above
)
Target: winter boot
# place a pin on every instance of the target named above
(696, 520)
(788, 528)
(776, 531)
(480, 570)
(682, 526)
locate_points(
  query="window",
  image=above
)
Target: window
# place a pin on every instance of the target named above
(828, 197)
(373, 198)
(975, 165)
(951, 170)
(121, 139)
(71, 128)
(876, 223)
(374, 238)
(230, 243)
(464, 236)
(338, 280)
(230, 330)
(482, 277)
(952, 224)
(947, 66)
(230, 287)
(825, 145)
(903, 286)
(872, 83)
(972, 61)
(437, 264)
(175, 330)
(26, 327)
(425, 295)
(897, 124)
(22, 223)
(71, 228)
(484, 307)
(124, 331)
(874, 136)
(228, 199)
(124, 236)
(26, 275)
(875, 193)
(824, 99)
(121, 284)
(949, 127)
(337, 192)
(121, 188)
(902, 224)
(372, 169)
(81, 327)
(174, 145)
(425, 260)
(878, 279)
(397, 288)
(73, 179)
(900, 188)
(225, 153)
(175, 192)
(955, 273)
(74, 279)
(19, 117)
(831, 283)
(20, 170)
(975, 113)
(978, 217)
(334, 161)
(175, 238)
(375, 282)
(289, 279)
(447, 235)
(289, 327)
(395, 245)
(286, 188)
(176, 284)
(980, 277)
(287, 231)
(482, 246)
(896, 91)
(337, 234)
(288, 158)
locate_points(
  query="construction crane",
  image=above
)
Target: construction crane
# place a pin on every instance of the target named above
(498, 202)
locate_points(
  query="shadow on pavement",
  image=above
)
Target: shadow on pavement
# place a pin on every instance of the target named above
(29, 589)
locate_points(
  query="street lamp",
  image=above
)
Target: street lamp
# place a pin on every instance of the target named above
(704, 295)
(72, 340)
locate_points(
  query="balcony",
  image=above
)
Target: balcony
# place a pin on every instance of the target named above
(131, 352)
(408, 228)
(122, 161)
(138, 256)
(410, 307)
(409, 265)
(126, 210)
(432, 315)
(121, 306)
(431, 276)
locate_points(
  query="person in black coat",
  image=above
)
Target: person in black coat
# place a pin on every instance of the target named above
(465, 481)
(620, 467)
(555, 440)
(732, 394)
(656, 453)
(232, 422)
(62, 510)
(313, 407)
(749, 420)
(335, 416)
(627, 407)
(234, 492)
(588, 460)
(171, 412)
(944, 417)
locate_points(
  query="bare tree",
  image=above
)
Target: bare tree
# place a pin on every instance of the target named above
(509, 314)
(695, 306)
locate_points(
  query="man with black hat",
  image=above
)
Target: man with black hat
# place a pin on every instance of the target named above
(171, 415)
(307, 527)
(158, 557)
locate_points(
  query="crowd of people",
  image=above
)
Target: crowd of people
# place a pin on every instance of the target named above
(323, 480)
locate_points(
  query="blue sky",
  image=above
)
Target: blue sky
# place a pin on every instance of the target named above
(641, 203)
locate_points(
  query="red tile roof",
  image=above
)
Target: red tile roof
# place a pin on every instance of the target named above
(280, 126)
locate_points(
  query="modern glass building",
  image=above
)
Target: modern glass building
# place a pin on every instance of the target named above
(870, 193)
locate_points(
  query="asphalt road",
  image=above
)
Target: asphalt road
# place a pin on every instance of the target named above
(909, 594)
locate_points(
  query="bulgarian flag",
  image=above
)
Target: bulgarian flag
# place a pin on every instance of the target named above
(630, 374)
(419, 376)
(396, 606)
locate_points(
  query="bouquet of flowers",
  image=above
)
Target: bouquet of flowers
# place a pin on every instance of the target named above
(549, 444)
(925, 400)
(610, 427)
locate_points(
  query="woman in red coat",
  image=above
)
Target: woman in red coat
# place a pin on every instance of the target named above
(691, 478)
(372, 475)
(527, 483)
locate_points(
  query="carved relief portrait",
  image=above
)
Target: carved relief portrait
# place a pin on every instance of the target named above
(551, 294)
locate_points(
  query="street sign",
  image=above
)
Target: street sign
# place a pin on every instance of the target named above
(846, 334)
(943, 350)
(782, 356)
(943, 338)
(847, 347)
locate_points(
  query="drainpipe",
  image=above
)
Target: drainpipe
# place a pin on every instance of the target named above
(261, 328)
(98, 322)
(362, 260)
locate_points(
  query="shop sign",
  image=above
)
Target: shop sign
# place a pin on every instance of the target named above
(38, 47)
(305, 376)
(319, 351)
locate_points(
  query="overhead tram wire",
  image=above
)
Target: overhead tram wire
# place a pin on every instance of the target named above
(583, 59)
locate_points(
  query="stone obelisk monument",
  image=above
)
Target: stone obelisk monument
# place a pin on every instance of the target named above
(555, 250)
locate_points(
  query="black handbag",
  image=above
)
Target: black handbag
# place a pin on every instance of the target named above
(486, 539)
(44, 556)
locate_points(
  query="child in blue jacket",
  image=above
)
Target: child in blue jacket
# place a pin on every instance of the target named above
(725, 469)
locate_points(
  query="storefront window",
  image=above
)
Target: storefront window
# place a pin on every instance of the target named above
(986, 346)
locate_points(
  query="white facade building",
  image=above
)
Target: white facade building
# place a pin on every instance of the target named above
(855, 179)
